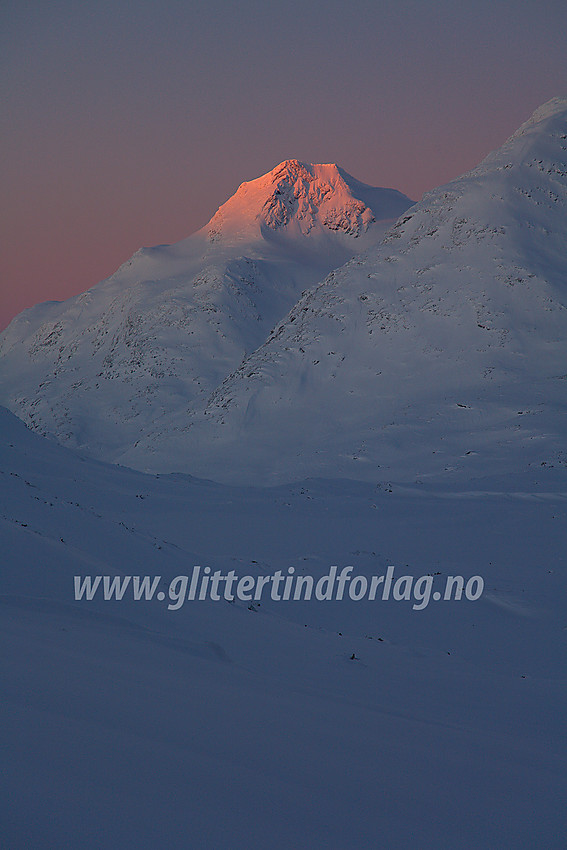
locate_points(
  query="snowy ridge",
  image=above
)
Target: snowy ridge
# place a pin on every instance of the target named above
(158, 336)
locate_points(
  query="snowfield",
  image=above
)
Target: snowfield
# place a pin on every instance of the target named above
(404, 398)
(128, 725)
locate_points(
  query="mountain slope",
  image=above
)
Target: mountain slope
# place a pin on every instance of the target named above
(95, 371)
(441, 352)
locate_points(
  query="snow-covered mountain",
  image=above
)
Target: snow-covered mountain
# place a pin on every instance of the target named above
(441, 352)
(345, 723)
(160, 334)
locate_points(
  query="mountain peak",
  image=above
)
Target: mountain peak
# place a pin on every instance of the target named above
(552, 107)
(304, 199)
(542, 135)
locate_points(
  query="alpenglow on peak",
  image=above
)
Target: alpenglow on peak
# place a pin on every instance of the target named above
(305, 198)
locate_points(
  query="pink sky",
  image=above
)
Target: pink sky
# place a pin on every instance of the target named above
(124, 130)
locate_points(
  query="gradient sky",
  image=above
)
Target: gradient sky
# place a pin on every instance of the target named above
(129, 123)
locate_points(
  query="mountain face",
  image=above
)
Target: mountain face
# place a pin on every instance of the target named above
(442, 352)
(160, 334)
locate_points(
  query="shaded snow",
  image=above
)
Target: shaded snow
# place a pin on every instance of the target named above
(218, 726)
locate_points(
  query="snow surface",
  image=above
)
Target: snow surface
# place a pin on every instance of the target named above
(125, 725)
